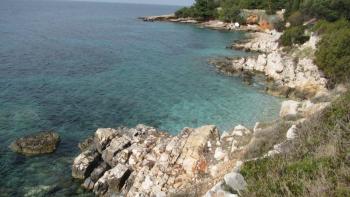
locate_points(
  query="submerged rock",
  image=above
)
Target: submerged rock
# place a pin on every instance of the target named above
(35, 144)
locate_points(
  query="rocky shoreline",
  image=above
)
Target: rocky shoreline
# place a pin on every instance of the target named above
(144, 161)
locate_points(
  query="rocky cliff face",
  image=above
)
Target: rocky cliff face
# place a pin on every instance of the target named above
(291, 73)
(143, 161)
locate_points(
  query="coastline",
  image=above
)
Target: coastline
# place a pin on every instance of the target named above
(144, 161)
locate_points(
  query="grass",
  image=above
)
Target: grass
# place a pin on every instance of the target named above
(318, 163)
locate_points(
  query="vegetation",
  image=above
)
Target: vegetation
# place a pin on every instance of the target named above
(317, 162)
(333, 51)
(294, 35)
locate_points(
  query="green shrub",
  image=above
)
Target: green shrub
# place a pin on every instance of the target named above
(294, 35)
(333, 51)
(296, 18)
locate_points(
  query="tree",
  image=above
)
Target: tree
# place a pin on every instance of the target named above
(230, 12)
(205, 9)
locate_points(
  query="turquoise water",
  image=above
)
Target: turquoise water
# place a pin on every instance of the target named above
(72, 67)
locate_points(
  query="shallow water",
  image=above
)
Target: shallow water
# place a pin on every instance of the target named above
(72, 67)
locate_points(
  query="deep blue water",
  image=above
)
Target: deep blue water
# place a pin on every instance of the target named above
(72, 67)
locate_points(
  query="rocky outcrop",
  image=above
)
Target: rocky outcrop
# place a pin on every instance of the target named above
(143, 161)
(291, 74)
(293, 110)
(37, 143)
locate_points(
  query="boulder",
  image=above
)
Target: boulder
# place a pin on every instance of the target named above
(84, 164)
(240, 131)
(219, 154)
(112, 181)
(291, 133)
(99, 171)
(235, 181)
(289, 110)
(115, 146)
(103, 137)
(274, 65)
(88, 143)
(196, 143)
(37, 143)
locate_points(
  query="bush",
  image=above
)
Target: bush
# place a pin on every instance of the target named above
(333, 51)
(296, 18)
(294, 35)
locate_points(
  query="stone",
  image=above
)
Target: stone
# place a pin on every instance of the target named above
(291, 133)
(235, 181)
(115, 146)
(274, 65)
(99, 171)
(192, 152)
(219, 154)
(240, 131)
(103, 137)
(35, 144)
(289, 110)
(88, 143)
(84, 164)
(88, 184)
(113, 180)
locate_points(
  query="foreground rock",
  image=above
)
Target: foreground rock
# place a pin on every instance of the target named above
(35, 144)
(143, 161)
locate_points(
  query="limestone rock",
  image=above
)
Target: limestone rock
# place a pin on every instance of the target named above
(37, 143)
(291, 133)
(112, 181)
(289, 109)
(240, 131)
(103, 137)
(84, 164)
(219, 154)
(99, 171)
(235, 181)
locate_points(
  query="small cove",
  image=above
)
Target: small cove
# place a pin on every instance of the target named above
(73, 67)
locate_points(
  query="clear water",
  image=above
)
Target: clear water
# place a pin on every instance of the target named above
(72, 67)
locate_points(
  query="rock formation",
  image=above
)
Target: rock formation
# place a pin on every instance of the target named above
(35, 144)
(143, 161)
(291, 74)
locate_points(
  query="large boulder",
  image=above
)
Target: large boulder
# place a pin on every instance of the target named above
(35, 144)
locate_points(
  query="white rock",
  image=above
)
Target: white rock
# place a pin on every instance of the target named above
(240, 131)
(147, 184)
(261, 63)
(291, 133)
(274, 65)
(235, 181)
(289, 109)
(219, 154)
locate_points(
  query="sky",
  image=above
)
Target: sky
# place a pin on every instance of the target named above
(163, 2)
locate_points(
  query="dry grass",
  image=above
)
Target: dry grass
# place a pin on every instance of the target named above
(318, 163)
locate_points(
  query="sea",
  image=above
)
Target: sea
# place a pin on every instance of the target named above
(74, 66)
